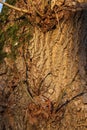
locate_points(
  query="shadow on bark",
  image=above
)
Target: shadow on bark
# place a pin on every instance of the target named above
(20, 111)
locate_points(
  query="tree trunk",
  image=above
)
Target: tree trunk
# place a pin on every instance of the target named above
(45, 87)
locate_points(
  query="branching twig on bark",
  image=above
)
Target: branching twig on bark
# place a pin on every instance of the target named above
(68, 101)
(77, 8)
(19, 9)
(13, 7)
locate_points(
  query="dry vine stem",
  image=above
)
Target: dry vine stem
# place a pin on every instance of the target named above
(13, 7)
(64, 7)
(52, 12)
(19, 9)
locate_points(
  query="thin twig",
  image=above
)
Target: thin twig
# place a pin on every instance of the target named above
(13, 7)
(68, 101)
(19, 9)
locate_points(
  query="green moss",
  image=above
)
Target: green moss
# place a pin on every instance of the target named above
(13, 53)
(2, 42)
(12, 2)
(12, 32)
(5, 11)
(20, 31)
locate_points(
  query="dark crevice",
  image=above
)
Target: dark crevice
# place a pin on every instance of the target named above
(69, 101)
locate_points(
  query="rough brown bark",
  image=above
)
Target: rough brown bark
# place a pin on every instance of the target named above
(45, 87)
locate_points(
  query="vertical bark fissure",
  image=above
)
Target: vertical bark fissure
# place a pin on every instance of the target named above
(52, 52)
(55, 65)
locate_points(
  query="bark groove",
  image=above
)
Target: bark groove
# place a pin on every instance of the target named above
(49, 71)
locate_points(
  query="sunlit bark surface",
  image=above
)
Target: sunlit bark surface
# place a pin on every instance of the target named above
(45, 87)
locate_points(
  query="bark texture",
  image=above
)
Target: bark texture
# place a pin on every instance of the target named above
(45, 86)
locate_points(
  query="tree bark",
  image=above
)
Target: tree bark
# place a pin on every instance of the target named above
(45, 87)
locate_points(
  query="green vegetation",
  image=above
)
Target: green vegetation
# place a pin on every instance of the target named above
(2, 40)
(5, 11)
(19, 32)
(14, 33)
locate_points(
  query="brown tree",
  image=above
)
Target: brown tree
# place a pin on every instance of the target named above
(43, 66)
